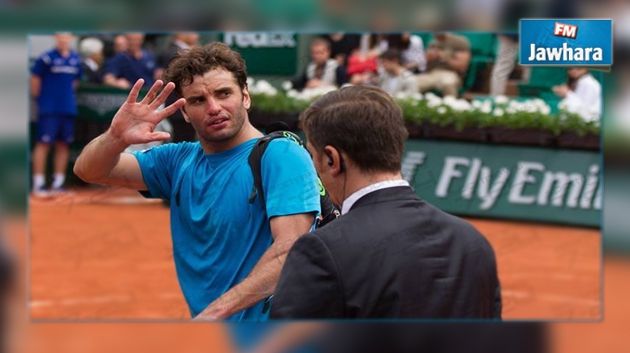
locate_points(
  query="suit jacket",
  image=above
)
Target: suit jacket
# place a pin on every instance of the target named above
(391, 256)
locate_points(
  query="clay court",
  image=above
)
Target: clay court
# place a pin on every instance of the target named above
(106, 254)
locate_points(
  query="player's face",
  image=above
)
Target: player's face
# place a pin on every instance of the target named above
(216, 106)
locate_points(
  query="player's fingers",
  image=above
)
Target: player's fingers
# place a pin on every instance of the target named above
(152, 92)
(135, 90)
(163, 95)
(168, 111)
(156, 136)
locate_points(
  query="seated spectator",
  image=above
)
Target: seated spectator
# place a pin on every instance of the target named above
(181, 130)
(322, 71)
(91, 50)
(342, 45)
(411, 48)
(121, 45)
(395, 78)
(582, 94)
(363, 62)
(448, 58)
(180, 41)
(125, 68)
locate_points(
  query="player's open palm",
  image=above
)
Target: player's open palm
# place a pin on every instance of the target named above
(134, 123)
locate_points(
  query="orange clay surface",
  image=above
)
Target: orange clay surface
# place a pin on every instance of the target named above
(106, 254)
(576, 249)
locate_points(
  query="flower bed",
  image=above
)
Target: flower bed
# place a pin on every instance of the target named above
(495, 120)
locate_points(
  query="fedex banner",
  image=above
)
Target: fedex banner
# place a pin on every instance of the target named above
(566, 42)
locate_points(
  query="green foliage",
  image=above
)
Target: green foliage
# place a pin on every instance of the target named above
(420, 111)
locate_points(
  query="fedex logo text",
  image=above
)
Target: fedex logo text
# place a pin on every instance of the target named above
(565, 30)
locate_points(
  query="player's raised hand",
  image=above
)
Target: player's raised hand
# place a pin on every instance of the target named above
(135, 121)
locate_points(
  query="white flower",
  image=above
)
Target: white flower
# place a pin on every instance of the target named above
(433, 100)
(250, 82)
(287, 85)
(416, 95)
(501, 99)
(292, 93)
(498, 112)
(264, 87)
(563, 105)
(546, 110)
(401, 95)
(441, 110)
(462, 105)
(430, 95)
(450, 100)
(486, 107)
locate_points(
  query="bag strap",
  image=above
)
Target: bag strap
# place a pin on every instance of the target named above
(255, 159)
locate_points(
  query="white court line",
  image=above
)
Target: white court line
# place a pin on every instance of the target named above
(78, 301)
(549, 298)
(94, 300)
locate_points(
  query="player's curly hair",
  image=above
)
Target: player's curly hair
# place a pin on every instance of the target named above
(199, 60)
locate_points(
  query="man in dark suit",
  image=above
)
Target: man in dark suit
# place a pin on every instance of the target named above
(390, 254)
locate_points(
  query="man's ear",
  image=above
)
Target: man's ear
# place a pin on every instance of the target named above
(183, 110)
(334, 160)
(247, 100)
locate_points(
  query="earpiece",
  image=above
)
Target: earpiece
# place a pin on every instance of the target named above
(330, 158)
(342, 167)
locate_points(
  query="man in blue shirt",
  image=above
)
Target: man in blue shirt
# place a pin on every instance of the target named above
(54, 77)
(129, 66)
(228, 251)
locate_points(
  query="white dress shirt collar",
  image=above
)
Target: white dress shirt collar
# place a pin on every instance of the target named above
(349, 202)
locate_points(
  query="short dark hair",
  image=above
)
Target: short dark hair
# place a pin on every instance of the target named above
(199, 60)
(362, 121)
(321, 41)
(392, 55)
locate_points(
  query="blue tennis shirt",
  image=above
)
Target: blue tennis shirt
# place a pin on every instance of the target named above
(218, 235)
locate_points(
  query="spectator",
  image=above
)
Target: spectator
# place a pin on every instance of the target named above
(395, 78)
(342, 45)
(582, 94)
(504, 63)
(322, 71)
(181, 130)
(180, 41)
(363, 62)
(121, 45)
(131, 65)
(54, 78)
(91, 50)
(412, 51)
(448, 58)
